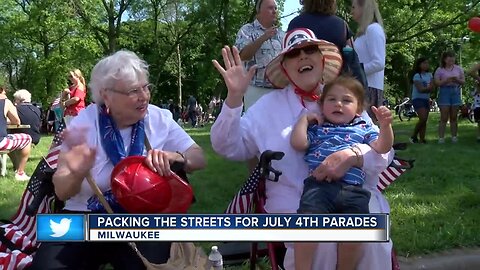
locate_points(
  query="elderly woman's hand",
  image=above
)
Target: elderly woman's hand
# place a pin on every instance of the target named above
(78, 160)
(159, 161)
(73, 164)
(235, 76)
(336, 165)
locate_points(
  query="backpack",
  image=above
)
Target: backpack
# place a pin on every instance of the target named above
(351, 64)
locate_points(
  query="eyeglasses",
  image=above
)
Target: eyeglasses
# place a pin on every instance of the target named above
(311, 49)
(133, 93)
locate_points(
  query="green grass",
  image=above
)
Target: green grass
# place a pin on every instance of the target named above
(11, 191)
(434, 206)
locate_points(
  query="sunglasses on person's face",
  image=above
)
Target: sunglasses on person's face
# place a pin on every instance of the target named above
(311, 49)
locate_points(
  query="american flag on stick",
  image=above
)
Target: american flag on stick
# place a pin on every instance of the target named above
(243, 201)
(390, 174)
(55, 103)
(22, 230)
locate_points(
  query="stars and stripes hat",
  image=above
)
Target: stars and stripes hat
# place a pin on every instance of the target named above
(299, 38)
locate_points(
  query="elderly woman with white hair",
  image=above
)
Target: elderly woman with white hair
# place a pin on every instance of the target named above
(29, 114)
(18, 145)
(121, 91)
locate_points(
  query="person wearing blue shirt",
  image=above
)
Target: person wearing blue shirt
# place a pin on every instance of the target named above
(319, 16)
(422, 86)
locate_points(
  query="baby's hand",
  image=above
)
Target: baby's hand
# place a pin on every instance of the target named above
(383, 114)
(314, 118)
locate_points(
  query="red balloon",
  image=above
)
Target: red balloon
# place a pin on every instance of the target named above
(474, 24)
(139, 190)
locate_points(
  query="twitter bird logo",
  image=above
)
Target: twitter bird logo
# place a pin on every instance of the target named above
(60, 229)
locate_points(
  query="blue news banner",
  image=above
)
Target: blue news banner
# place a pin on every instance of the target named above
(214, 227)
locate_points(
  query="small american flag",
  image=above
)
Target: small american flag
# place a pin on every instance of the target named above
(243, 201)
(22, 230)
(390, 174)
(55, 103)
(52, 156)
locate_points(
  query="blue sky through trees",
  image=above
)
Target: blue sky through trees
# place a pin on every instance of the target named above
(289, 7)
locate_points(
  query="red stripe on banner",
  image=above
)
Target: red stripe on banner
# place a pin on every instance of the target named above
(8, 144)
(20, 218)
(233, 207)
(230, 206)
(389, 175)
(17, 217)
(381, 185)
(30, 227)
(52, 157)
(3, 144)
(43, 208)
(240, 204)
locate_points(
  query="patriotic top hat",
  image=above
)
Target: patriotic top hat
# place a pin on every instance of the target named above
(299, 38)
(139, 190)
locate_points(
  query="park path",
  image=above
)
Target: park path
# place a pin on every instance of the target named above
(458, 259)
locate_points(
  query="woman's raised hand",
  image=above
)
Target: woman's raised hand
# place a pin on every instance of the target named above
(79, 158)
(234, 75)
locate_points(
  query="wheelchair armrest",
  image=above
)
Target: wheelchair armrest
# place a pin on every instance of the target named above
(399, 146)
(406, 163)
(177, 168)
(266, 170)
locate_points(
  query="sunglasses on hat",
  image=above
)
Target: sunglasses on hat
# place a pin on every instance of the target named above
(311, 49)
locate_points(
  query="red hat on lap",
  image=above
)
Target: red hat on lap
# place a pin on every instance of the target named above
(139, 190)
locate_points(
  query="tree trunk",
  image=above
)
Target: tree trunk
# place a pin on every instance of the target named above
(179, 74)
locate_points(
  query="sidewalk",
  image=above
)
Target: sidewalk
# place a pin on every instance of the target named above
(458, 259)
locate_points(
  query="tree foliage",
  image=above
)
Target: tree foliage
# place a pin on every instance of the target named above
(43, 39)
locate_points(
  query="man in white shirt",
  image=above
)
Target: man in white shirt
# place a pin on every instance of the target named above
(259, 42)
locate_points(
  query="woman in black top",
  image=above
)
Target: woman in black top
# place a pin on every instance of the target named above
(29, 114)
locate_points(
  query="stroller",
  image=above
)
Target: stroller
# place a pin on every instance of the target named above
(251, 199)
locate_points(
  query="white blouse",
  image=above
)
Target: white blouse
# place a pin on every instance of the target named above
(160, 128)
(371, 50)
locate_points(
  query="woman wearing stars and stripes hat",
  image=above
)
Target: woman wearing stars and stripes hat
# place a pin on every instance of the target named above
(300, 70)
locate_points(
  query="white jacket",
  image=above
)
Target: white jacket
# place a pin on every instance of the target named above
(371, 50)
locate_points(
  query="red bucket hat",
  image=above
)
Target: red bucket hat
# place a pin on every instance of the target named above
(299, 38)
(139, 190)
